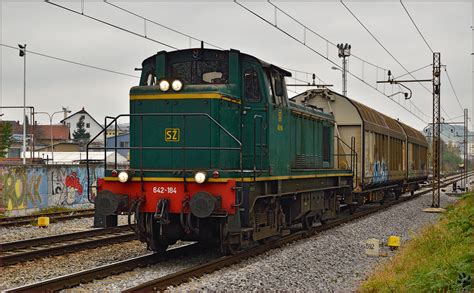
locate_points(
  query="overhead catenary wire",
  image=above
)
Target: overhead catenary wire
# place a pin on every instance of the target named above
(386, 50)
(322, 37)
(429, 47)
(413, 71)
(304, 72)
(452, 88)
(72, 62)
(381, 45)
(411, 18)
(151, 21)
(194, 38)
(333, 62)
(159, 24)
(112, 25)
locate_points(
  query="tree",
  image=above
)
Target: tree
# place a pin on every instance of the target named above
(6, 138)
(81, 133)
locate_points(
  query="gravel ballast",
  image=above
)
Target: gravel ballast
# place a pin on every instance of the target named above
(138, 276)
(333, 260)
(46, 268)
(16, 233)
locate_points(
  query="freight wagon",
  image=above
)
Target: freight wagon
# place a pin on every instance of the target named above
(391, 156)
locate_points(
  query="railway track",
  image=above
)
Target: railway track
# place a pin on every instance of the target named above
(162, 283)
(24, 250)
(177, 278)
(57, 216)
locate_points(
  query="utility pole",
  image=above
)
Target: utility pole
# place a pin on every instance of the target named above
(436, 136)
(436, 139)
(51, 128)
(23, 54)
(344, 51)
(466, 181)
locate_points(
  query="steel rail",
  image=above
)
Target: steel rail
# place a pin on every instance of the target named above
(24, 220)
(177, 278)
(71, 280)
(8, 246)
(24, 250)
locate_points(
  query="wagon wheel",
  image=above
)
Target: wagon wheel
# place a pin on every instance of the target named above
(155, 241)
(234, 248)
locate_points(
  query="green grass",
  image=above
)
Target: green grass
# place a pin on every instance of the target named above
(439, 258)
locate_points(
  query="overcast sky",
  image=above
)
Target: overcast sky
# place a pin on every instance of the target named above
(54, 31)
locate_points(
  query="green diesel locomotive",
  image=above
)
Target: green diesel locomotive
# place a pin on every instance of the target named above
(218, 153)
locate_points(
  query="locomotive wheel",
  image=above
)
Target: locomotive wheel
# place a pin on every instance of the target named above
(155, 241)
(307, 222)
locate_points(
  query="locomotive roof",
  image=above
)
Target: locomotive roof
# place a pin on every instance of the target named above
(263, 63)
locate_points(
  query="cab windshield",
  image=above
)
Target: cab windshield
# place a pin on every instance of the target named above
(199, 66)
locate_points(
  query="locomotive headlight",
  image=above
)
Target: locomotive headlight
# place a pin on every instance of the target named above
(200, 177)
(177, 85)
(164, 85)
(123, 176)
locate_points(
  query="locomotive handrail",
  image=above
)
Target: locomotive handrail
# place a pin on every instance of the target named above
(141, 147)
(255, 117)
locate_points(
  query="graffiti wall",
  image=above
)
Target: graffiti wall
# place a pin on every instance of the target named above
(44, 186)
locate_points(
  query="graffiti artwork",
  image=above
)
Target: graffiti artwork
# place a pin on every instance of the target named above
(378, 171)
(69, 184)
(40, 187)
(23, 188)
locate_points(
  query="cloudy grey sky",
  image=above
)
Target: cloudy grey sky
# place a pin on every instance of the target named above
(54, 31)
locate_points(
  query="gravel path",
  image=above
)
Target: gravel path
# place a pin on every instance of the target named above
(15, 233)
(334, 260)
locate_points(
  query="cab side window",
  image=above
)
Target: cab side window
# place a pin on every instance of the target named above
(251, 86)
(278, 85)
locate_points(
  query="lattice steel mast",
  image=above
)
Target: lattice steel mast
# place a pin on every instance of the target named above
(436, 139)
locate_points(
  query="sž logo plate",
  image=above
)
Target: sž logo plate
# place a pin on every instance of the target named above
(172, 134)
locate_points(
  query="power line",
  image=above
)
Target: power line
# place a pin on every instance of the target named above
(429, 47)
(303, 72)
(111, 24)
(452, 87)
(413, 71)
(72, 62)
(386, 50)
(381, 45)
(334, 63)
(151, 21)
(406, 10)
(317, 34)
(159, 24)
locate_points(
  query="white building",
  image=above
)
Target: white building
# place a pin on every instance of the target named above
(470, 147)
(91, 125)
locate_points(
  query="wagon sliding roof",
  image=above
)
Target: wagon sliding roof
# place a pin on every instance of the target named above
(378, 122)
(414, 135)
(375, 120)
(372, 119)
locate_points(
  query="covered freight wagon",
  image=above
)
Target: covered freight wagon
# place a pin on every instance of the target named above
(385, 154)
